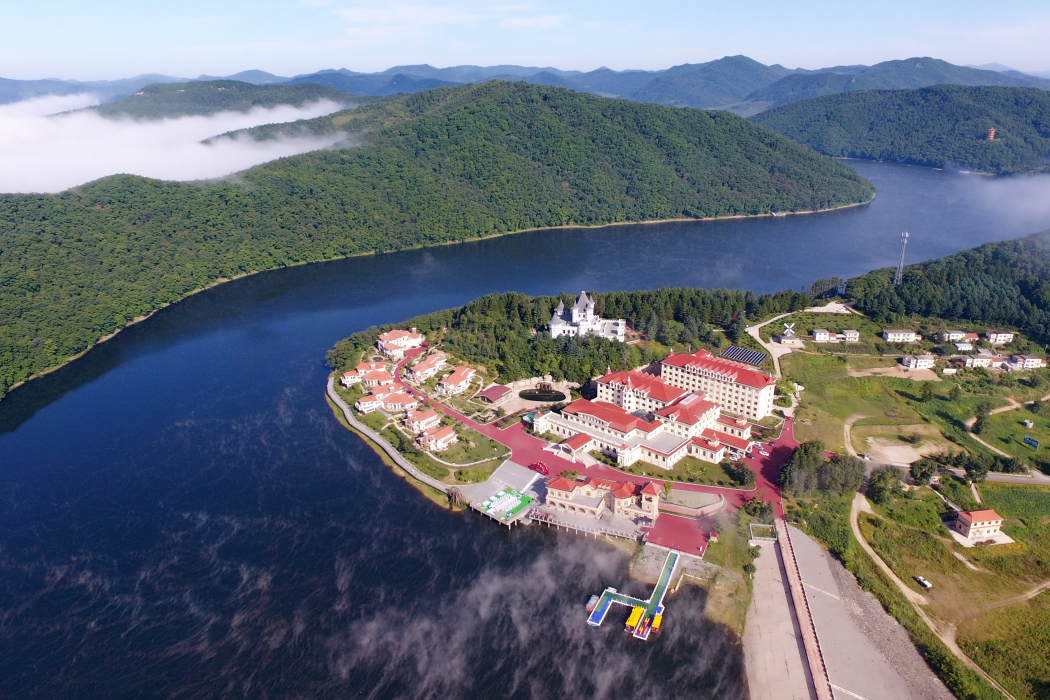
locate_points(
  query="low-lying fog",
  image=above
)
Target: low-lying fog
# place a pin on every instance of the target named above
(41, 153)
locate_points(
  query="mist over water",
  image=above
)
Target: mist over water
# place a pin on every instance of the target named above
(42, 151)
(181, 515)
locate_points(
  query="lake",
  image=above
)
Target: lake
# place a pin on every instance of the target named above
(182, 516)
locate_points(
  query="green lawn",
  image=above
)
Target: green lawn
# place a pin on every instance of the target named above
(689, 470)
(922, 508)
(836, 323)
(461, 451)
(1006, 431)
(1011, 643)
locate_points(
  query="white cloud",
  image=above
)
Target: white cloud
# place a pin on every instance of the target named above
(41, 153)
(542, 22)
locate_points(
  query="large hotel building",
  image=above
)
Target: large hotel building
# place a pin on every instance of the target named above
(736, 386)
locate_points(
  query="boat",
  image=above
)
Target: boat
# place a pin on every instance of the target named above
(657, 619)
(592, 603)
(636, 615)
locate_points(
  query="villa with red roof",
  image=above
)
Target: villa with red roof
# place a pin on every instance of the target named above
(437, 439)
(636, 391)
(418, 421)
(457, 382)
(355, 375)
(398, 402)
(592, 497)
(739, 388)
(425, 369)
(394, 343)
(974, 524)
(737, 426)
(377, 377)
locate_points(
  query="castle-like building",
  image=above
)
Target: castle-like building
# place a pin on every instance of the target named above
(580, 320)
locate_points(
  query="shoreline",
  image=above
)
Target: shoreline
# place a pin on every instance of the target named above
(224, 280)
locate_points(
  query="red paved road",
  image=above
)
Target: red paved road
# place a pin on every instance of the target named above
(687, 535)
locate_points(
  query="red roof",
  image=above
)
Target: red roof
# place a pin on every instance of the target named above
(430, 363)
(736, 371)
(616, 417)
(398, 334)
(494, 393)
(739, 421)
(618, 489)
(458, 376)
(651, 488)
(439, 434)
(420, 416)
(561, 483)
(365, 366)
(688, 411)
(981, 516)
(398, 399)
(970, 336)
(726, 439)
(378, 375)
(653, 387)
(577, 441)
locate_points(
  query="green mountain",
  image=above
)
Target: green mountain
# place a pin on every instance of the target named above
(889, 75)
(715, 84)
(935, 126)
(162, 100)
(438, 166)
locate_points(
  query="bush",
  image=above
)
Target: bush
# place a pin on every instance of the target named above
(884, 484)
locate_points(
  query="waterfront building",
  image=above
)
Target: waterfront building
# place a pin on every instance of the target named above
(398, 402)
(437, 439)
(821, 335)
(918, 361)
(394, 343)
(593, 497)
(457, 382)
(418, 421)
(999, 337)
(739, 388)
(637, 391)
(355, 375)
(425, 368)
(377, 377)
(901, 335)
(350, 378)
(369, 403)
(581, 320)
(974, 524)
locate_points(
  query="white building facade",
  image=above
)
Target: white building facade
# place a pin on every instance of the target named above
(737, 387)
(581, 320)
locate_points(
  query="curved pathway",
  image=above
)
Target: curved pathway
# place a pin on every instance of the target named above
(386, 447)
(915, 598)
(753, 331)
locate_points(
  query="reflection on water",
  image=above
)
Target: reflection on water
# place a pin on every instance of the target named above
(183, 517)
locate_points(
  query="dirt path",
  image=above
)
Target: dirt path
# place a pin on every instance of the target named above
(846, 436)
(947, 634)
(753, 331)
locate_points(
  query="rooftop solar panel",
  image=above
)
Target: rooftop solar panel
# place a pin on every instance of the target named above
(751, 357)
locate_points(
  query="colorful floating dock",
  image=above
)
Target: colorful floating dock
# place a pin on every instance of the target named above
(644, 613)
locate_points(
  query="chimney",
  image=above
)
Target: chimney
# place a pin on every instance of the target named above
(991, 134)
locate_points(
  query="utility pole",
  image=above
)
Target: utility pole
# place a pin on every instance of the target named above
(899, 277)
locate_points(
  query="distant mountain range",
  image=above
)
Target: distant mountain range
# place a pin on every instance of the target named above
(735, 83)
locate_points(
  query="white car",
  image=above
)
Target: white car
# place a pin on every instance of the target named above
(763, 453)
(926, 585)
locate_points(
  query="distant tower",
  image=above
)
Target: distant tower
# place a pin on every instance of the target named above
(991, 134)
(899, 277)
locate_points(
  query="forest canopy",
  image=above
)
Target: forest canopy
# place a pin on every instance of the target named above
(438, 166)
(944, 125)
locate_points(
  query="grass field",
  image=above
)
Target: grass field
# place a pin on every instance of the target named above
(831, 396)
(1006, 431)
(1013, 644)
(836, 323)
(689, 470)
(472, 446)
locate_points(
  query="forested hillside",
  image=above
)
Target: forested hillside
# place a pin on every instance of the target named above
(911, 73)
(936, 126)
(495, 330)
(438, 166)
(162, 100)
(1005, 283)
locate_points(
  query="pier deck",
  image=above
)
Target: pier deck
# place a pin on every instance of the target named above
(652, 607)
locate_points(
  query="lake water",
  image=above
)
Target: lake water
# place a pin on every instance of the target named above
(181, 516)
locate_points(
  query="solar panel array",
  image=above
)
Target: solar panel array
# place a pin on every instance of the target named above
(752, 357)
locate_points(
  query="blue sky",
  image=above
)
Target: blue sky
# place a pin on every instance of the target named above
(120, 38)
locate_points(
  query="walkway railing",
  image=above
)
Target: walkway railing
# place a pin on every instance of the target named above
(383, 444)
(818, 670)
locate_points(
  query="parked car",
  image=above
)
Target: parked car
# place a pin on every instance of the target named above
(926, 585)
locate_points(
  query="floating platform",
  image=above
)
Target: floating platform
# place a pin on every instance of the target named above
(650, 610)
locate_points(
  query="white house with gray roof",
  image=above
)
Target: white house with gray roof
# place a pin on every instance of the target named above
(580, 320)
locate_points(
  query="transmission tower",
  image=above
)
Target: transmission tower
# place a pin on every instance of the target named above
(899, 277)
